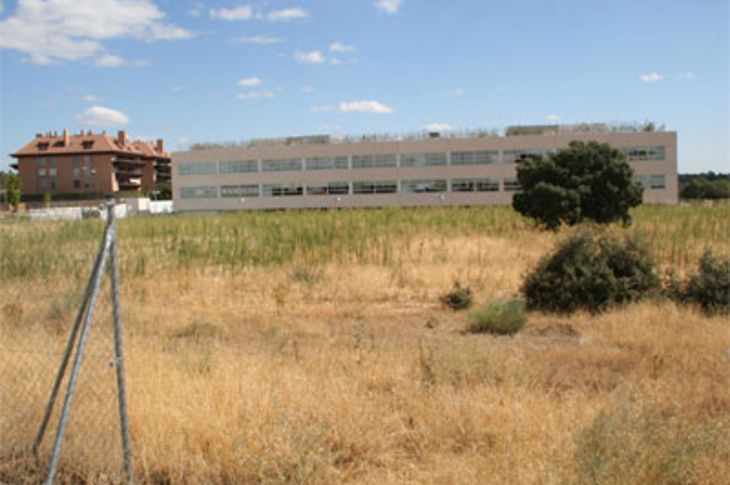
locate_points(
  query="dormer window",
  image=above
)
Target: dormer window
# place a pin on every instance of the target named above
(43, 146)
(87, 144)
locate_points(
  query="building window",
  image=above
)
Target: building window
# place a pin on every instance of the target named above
(199, 192)
(511, 184)
(239, 166)
(422, 159)
(374, 161)
(474, 185)
(54, 160)
(473, 158)
(239, 190)
(87, 159)
(77, 184)
(326, 163)
(284, 165)
(658, 182)
(328, 188)
(76, 171)
(282, 190)
(198, 168)
(422, 186)
(644, 153)
(515, 156)
(375, 187)
(41, 162)
(652, 182)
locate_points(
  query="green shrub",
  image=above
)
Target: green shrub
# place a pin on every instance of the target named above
(502, 317)
(459, 298)
(591, 273)
(709, 287)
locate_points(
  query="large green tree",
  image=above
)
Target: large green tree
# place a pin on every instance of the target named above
(590, 181)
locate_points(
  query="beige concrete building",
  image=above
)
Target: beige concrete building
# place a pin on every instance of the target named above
(428, 170)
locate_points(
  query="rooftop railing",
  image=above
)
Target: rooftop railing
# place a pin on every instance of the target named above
(518, 130)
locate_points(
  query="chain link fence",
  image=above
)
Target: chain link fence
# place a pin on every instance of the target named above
(31, 452)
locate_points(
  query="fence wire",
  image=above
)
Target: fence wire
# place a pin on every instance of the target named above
(27, 374)
(26, 379)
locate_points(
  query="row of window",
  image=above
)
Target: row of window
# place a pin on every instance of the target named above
(53, 160)
(650, 182)
(389, 161)
(346, 188)
(643, 153)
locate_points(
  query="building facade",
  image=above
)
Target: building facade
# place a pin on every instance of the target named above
(91, 163)
(432, 170)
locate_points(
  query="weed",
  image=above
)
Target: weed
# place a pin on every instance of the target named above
(502, 317)
(459, 298)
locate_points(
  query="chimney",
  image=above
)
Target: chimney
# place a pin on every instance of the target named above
(160, 145)
(122, 137)
(39, 135)
(66, 138)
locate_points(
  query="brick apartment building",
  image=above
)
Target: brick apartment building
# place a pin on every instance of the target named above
(90, 163)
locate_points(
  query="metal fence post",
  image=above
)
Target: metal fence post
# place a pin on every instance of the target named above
(107, 241)
(119, 350)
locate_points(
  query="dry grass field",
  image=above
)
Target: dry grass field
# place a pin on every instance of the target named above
(310, 347)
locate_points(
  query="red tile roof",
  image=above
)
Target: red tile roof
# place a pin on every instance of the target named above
(88, 143)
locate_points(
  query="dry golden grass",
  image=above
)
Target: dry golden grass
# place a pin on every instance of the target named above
(335, 372)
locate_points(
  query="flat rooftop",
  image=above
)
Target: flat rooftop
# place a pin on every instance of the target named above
(510, 131)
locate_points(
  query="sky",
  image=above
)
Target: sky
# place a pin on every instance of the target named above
(217, 71)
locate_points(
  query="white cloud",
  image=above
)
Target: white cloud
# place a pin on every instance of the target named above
(286, 14)
(90, 98)
(307, 89)
(454, 92)
(690, 75)
(250, 82)
(388, 6)
(256, 94)
(341, 48)
(112, 61)
(62, 30)
(365, 106)
(177, 89)
(259, 39)
(100, 116)
(552, 117)
(243, 12)
(651, 78)
(439, 127)
(322, 107)
(313, 57)
(109, 60)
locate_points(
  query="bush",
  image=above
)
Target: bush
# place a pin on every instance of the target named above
(459, 298)
(709, 287)
(503, 317)
(591, 273)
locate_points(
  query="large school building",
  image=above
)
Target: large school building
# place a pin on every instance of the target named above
(431, 169)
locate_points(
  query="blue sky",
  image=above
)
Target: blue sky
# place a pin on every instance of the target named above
(191, 71)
